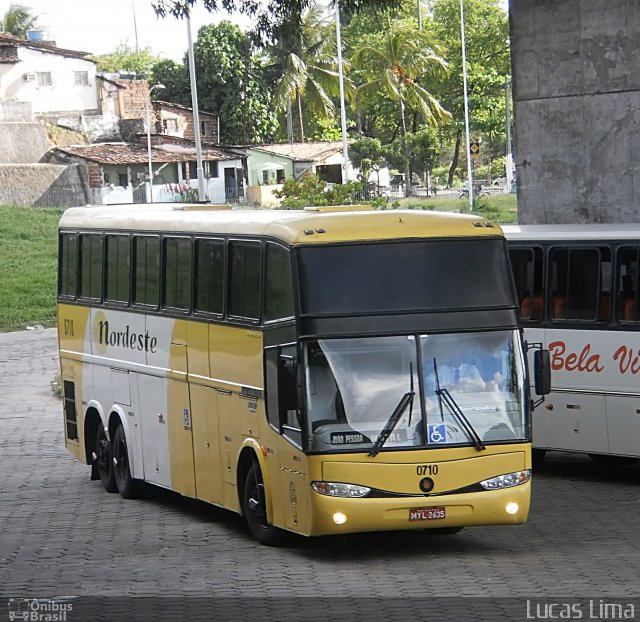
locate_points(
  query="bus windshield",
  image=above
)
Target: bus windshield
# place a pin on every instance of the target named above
(424, 390)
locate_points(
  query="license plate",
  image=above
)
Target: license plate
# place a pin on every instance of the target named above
(433, 513)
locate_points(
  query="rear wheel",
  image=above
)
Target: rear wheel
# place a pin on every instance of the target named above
(254, 507)
(103, 461)
(128, 487)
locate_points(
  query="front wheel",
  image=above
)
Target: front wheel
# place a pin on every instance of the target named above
(103, 461)
(127, 486)
(254, 507)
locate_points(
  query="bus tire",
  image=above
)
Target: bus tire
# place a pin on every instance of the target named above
(254, 508)
(103, 461)
(537, 457)
(128, 487)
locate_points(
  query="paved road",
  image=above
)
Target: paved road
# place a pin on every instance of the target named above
(61, 534)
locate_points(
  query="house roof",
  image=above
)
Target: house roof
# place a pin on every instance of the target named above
(163, 104)
(310, 152)
(8, 53)
(16, 42)
(132, 153)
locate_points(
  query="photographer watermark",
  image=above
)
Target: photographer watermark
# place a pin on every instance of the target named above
(39, 609)
(583, 609)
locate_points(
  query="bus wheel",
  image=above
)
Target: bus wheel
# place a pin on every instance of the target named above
(103, 461)
(537, 457)
(254, 507)
(127, 486)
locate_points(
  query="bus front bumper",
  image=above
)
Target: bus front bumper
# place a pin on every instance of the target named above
(335, 515)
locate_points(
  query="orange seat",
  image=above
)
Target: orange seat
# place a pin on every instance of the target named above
(630, 310)
(531, 308)
(559, 306)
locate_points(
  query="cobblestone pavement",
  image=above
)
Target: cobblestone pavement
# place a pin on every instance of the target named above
(61, 534)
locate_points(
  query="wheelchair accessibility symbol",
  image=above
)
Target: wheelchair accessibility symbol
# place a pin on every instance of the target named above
(437, 433)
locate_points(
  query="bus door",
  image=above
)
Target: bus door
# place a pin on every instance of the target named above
(291, 479)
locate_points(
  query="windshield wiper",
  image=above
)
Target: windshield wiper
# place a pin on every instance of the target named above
(456, 411)
(407, 399)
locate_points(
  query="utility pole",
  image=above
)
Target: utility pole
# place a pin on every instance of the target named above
(343, 112)
(466, 107)
(507, 108)
(196, 115)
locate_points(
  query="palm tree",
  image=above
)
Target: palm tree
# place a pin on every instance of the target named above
(307, 67)
(18, 20)
(395, 65)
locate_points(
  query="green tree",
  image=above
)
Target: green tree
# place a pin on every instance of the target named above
(232, 84)
(396, 63)
(175, 77)
(124, 59)
(268, 17)
(488, 65)
(367, 154)
(306, 67)
(18, 20)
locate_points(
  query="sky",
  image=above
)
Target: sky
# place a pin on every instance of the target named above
(99, 26)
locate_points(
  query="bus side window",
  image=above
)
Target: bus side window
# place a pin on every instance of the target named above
(68, 271)
(177, 274)
(117, 267)
(91, 266)
(628, 260)
(278, 303)
(146, 277)
(575, 283)
(526, 264)
(245, 273)
(283, 410)
(209, 276)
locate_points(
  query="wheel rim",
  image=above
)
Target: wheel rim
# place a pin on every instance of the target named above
(102, 455)
(257, 505)
(121, 461)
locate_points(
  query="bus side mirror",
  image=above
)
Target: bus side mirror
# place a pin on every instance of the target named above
(542, 372)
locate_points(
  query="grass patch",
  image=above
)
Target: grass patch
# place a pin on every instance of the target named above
(28, 266)
(499, 208)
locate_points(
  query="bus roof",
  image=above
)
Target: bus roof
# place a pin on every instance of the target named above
(543, 233)
(309, 226)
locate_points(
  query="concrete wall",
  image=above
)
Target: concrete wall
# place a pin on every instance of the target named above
(15, 111)
(22, 142)
(50, 185)
(576, 89)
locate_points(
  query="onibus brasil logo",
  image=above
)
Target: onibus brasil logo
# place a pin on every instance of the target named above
(39, 609)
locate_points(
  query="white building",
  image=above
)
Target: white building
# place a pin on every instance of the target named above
(53, 80)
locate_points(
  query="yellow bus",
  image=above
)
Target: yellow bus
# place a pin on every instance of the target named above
(322, 371)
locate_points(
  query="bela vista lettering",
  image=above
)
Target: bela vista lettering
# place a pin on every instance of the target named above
(572, 361)
(126, 338)
(627, 359)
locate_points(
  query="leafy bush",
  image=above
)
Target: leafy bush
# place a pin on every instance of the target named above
(312, 191)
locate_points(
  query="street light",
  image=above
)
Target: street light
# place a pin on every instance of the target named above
(155, 86)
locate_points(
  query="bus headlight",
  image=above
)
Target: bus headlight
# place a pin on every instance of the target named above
(506, 481)
(335, 489)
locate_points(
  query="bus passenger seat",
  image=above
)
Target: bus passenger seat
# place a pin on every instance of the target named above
(630, 311)
(531, 308)
(559, 307)
(604, 308)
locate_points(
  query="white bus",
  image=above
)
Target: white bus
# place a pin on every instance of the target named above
(578, 288)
